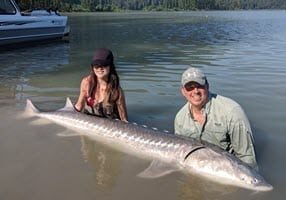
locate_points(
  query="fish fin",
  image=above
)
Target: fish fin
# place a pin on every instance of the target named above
(69, 106)
(157, 169)
(30, 110)
(68, 133)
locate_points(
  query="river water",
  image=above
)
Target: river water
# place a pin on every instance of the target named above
(242, 52)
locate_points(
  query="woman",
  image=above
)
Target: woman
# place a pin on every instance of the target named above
(100, 91)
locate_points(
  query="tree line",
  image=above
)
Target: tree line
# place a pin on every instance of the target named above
(149, 5)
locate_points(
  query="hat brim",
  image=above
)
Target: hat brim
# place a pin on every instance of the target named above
(199, 81)
(104, 63)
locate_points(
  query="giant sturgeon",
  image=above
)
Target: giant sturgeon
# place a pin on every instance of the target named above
(168, 152)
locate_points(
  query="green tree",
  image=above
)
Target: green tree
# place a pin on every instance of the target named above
(109, 5)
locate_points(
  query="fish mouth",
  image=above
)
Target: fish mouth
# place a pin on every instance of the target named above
(263, 187)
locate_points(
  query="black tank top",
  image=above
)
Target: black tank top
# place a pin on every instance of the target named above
(101, 110)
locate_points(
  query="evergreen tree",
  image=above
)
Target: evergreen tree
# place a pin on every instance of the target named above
(110, 5)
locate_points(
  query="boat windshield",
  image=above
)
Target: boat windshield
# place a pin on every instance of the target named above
(7, 8)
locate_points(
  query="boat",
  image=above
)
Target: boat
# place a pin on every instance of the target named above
(38, 25)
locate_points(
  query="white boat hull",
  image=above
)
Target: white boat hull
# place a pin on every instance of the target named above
(19, 28)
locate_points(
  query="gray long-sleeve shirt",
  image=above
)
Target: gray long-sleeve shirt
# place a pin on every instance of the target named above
(226, 126)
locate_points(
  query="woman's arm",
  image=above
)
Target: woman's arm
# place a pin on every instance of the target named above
(83, 93)
(121, 106)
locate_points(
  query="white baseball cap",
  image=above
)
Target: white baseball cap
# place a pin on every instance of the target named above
(193, 75)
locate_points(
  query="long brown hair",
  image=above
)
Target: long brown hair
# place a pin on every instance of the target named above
(113, 85)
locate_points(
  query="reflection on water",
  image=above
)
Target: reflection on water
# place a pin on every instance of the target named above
(104, 161)
(197, 188)
(18, 65)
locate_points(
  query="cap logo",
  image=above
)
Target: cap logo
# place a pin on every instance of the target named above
(193, 74)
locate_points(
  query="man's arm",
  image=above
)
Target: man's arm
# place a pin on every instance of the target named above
(241, 137)
(177, 126)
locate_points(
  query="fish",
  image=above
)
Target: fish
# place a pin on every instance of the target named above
(167, 152)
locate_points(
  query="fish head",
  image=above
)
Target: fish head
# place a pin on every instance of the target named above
(225, 168)
(249, 178)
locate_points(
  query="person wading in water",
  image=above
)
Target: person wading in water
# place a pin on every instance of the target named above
(100, 92)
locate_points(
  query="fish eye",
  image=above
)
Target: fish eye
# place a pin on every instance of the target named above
(255, 180)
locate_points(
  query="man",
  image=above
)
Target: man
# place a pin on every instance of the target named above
(213, 118)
